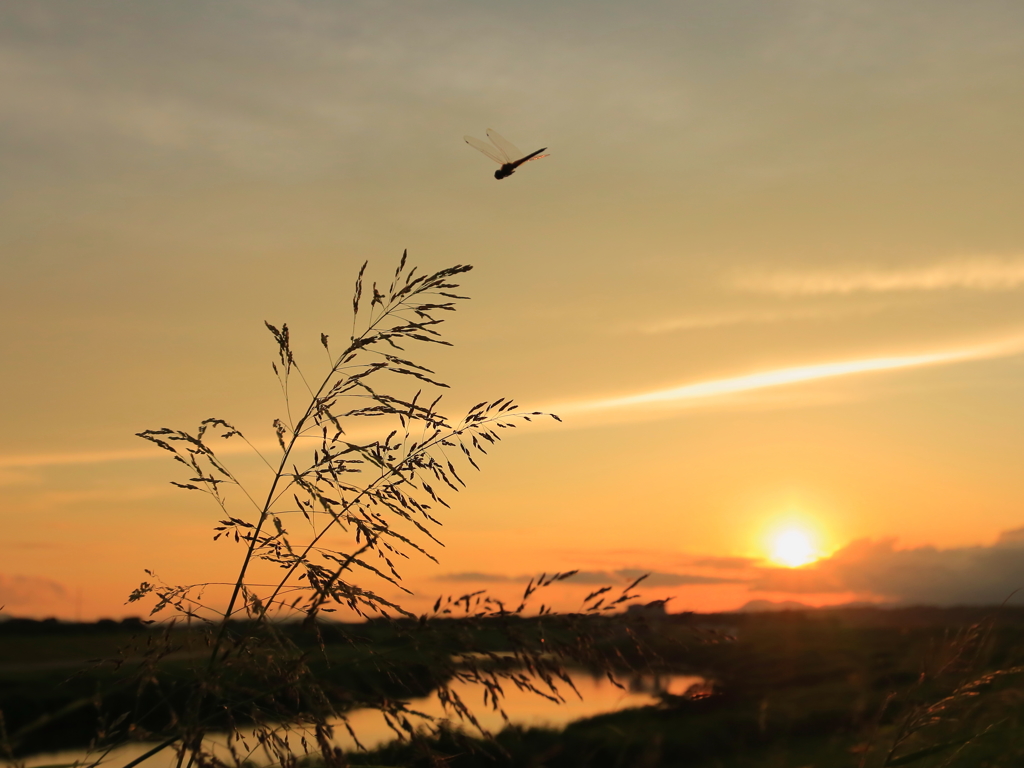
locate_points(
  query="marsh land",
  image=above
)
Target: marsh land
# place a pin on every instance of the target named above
(837, 687)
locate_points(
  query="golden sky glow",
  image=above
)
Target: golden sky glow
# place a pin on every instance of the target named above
(775, 261)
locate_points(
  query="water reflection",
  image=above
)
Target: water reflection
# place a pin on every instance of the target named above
(597, 695)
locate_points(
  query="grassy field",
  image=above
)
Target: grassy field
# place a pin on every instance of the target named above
(857, 687)
(845, 687)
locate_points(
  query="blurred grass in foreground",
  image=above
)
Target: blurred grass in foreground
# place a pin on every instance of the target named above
(839, 687)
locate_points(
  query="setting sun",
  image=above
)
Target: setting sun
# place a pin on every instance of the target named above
(792, 547)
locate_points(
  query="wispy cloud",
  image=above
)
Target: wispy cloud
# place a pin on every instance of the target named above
(726, 563)
(664, 579)
(596, 578)
(723, 320)
(745, 317)
(480, 577)
(27, 460)
(30, 460)
(686, 393)
(704, 390)
(969, 274)
(29, 590)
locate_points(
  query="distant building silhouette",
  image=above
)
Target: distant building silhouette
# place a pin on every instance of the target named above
(652, 610)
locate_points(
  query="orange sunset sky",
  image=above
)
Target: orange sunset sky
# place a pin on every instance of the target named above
(771, 277)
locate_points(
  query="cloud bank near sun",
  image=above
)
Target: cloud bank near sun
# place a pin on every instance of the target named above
(985, 575)
(874, 569)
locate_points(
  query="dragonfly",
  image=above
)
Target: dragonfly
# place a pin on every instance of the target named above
(503, 152)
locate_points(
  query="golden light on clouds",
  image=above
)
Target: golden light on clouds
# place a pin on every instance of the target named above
(775, 378)
(687, 393)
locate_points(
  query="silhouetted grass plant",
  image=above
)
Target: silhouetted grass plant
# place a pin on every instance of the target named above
(958, 710)
(338, 514)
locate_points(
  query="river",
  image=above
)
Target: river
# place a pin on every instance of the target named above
(596, 696)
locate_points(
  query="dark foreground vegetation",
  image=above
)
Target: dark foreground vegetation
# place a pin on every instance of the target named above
(843, 687)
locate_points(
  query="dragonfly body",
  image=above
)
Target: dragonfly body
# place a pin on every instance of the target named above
(503, 152)
(507, 169)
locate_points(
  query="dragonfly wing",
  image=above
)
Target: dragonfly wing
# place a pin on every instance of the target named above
(488, 149)
(510, 150)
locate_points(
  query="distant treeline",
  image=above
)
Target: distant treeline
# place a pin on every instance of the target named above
(860, 615)
(14, 626)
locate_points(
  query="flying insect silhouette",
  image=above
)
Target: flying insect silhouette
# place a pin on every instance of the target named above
(503, 152)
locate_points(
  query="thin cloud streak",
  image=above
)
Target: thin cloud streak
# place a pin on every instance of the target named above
(705, 390)
(783, 376)
(724, 320)
(976, 274)
(617, 577)
(33, 460)
(30, 460)
(224, 448)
